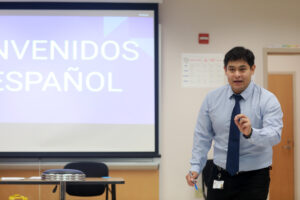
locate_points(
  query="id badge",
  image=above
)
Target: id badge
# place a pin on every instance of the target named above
(218, 184)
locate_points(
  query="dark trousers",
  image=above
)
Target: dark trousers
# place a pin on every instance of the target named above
(252, 185)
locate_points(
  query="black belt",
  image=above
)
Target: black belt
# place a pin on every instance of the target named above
(220, 169)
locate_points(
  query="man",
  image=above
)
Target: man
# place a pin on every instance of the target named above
(245, 121)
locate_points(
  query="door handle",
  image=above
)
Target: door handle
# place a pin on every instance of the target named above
(287, 146)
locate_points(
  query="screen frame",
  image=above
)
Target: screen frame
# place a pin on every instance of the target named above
(95, 6)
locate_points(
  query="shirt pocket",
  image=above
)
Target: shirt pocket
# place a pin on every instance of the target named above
(255, 117)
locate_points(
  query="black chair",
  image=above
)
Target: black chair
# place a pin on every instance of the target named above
(206, 176)
(91, 169)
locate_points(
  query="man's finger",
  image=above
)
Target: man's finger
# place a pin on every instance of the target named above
(242, 121)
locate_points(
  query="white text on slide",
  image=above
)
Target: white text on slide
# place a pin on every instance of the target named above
(92, 81)
(69, 50)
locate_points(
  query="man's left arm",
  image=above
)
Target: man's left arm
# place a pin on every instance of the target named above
(270, 133)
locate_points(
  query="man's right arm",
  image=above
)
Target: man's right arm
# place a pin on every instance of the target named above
(203, 136)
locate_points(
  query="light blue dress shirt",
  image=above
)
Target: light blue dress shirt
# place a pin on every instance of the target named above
(264, 112)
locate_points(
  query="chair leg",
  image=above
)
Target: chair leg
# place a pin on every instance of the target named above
(106, 192)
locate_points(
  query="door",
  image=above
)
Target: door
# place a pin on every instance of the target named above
(282, 174)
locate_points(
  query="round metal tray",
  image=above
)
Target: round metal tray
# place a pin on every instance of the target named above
(63, 175)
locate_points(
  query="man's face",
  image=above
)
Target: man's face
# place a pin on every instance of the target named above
(239, 75)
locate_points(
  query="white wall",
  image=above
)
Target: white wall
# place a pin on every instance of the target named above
(254, 24)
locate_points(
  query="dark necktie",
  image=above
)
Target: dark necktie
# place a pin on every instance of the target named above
(232, 164)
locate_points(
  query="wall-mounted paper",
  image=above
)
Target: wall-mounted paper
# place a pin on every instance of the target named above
(202, 70)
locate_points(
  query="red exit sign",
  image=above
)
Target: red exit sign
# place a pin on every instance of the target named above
(203, 38)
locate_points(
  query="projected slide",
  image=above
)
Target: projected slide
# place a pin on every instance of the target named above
(86, 77)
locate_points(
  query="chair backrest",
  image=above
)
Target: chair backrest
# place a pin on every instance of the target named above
(207, 176)
(91, 169)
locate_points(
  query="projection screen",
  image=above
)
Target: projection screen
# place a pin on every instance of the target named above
(78, 79)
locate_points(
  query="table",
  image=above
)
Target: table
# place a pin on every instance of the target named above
(62, 193)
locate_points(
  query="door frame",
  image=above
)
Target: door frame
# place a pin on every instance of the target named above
(274, 51)
(283, 51)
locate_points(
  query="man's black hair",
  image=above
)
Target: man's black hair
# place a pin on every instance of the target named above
(239, 53)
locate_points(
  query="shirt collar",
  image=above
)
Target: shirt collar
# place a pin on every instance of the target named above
(245, 94)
